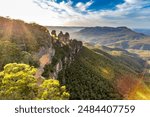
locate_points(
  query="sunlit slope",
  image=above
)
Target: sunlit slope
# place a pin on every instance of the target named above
(95, 75)
(19, 41)
(28, 36)
(139, 91)
(130, 87)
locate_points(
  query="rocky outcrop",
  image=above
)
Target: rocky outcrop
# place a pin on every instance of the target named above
(67, 48)
(74, 47)
(44, 57)
(58, 68)
(63, 38)
(66, 37)
(53, 33)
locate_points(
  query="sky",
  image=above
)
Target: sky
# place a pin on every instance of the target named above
(130, 13)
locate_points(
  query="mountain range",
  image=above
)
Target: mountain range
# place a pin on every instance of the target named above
(144, 31)
(119, 37)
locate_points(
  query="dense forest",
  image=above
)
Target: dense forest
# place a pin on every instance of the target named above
(96, 76)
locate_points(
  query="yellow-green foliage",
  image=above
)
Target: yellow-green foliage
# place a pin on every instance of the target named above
(17, 81)
(51, 89)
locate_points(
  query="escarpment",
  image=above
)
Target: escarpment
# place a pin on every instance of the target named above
(33, 44)
(65, 50)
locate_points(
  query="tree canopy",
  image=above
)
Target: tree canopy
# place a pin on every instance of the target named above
(17, 81)
(51, 89)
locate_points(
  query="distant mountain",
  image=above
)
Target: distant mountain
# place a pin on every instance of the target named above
(119, 37)
(144, 31)
(64, 29)
(142, 44)
(121, 55)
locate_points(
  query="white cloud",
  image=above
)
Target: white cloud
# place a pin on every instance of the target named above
(83, 7)
(26, 10)
(64, 13)
(126, 13)
(131, 1)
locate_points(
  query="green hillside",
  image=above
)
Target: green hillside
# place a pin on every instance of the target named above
(95, 76)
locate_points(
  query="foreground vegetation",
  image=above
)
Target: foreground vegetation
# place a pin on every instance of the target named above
(18, 82)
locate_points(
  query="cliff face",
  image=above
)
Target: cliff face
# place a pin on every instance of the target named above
(45, 56)
(33, 44)
(60, 55)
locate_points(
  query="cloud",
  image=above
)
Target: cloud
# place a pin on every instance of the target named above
(132, 13)
(83, 7)
(27, 11)
(126, 13)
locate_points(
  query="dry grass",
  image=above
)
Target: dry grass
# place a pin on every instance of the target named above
(145, 54)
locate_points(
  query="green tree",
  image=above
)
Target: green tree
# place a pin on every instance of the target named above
(9, 52)
(51, 89)
(17, 81)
